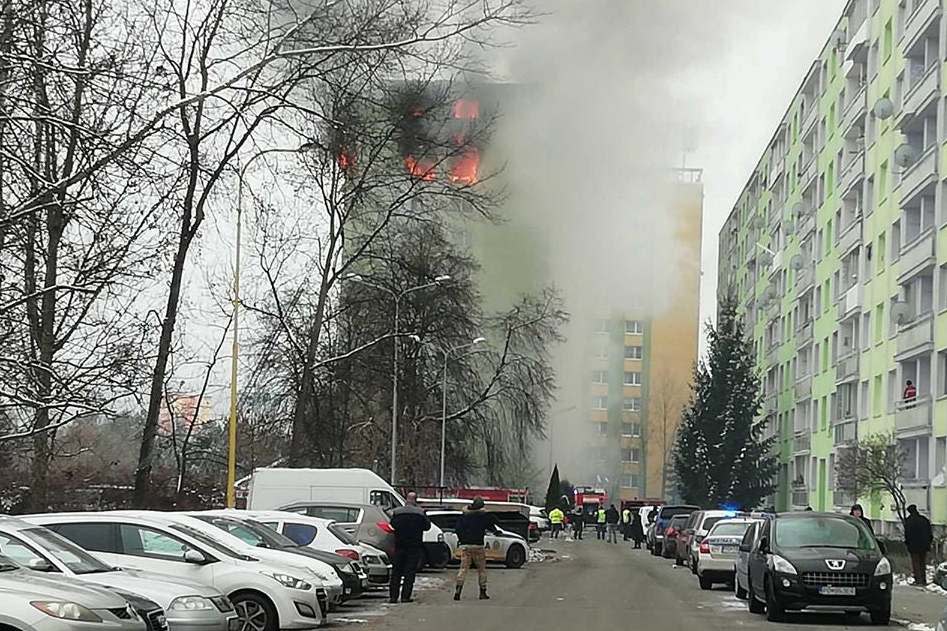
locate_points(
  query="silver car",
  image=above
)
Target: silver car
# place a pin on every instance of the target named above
(31, 600)
(188, 606)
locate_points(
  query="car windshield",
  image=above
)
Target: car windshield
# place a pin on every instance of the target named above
(253, 534)
(208, 541)
(342, 535)
(66, 552)
(729, 530)
(822, 532)
(273, 538)
(672, 511)
(709, 522)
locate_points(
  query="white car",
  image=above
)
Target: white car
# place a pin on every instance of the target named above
(505, 547)
(187, 606)
(324, 534)
(267, 596)
(717, 551)
(538, 516)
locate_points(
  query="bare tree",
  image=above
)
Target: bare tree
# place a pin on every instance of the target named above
(873, 464)
(666, 397)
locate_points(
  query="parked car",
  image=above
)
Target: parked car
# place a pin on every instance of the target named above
(717, 552)
(538, 516)
(267, 596)
(321, 534)
(695, 530)
(665, 513)
(150, 612)
(511, 516)
(506, 547)
(184, 606)
(33, 600)
(741, 563)
(818, 560)
(674, 529)
(369, 523)
(255, 534)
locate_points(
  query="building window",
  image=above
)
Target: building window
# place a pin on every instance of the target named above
(631, 429)
(631, 404)
(633, 352)
(599, 376)
(915, 458)
(599, 403)
(631, 454)
(632, 481)
(632, 378)
(633, 327)
(601, 428)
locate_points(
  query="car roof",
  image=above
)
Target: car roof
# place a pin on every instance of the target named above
(811, 514)
(330, 503)
(283, 515)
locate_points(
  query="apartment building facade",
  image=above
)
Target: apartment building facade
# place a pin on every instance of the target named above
(837, 252)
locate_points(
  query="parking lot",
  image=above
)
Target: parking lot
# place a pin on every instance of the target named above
(592, 584)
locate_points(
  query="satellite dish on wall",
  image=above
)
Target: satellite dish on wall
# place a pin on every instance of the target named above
(905, 155)
(796, 262)
(883, 109)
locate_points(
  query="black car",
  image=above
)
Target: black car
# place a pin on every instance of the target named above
(821, 562)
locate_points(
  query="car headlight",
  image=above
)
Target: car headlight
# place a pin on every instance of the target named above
(191, 603)
(288, 581)
(883, 567)
(65, 610)
(782, 565)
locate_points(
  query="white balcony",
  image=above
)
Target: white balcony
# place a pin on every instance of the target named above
(919, 176)
(777, 168)
(915, 337)
(808, 172)
(853, 173)
(804, 334)
(850, 302)
(850, 237)
(918, 22)
(846, 369)
(806, 225)
(805, 279)
(800, 499)
(920, 93)
(912, 415)
(769, 404)
(856, 48)
(801, 442)
(842, 499)
(803, 388)
(776, 263)
(916, 492)
(916, 256)
(845, 432)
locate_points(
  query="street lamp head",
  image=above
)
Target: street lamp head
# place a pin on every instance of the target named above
(355, 277)
(415, 338)
(479, 340)
(442, 279)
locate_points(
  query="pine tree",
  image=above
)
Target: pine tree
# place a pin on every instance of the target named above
(553, 493)
(720, 457)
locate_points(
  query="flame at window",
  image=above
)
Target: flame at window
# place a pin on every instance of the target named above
(466, 167)
(346, 159)
(465, 108)
(422, 169)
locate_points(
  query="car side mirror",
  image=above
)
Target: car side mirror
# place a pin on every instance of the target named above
(39, 565)
(194, 556)
(764, 545)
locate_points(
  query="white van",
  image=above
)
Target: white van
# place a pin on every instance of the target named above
(270, 489)
(278, 488)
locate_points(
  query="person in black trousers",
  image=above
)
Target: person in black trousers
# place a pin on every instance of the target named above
(917, 539)
(409, 523)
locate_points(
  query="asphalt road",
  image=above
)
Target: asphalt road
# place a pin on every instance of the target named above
(586, 585)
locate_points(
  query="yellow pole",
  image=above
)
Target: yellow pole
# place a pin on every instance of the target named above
(232, 421)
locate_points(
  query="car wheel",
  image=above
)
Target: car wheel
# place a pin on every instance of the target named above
(740, 592)
(515, 557)
(255, 612)
(694, 566)
(705, 582)
(881, 617)
(679, 561)
(752, 603)
(655, 550)
(774, 611)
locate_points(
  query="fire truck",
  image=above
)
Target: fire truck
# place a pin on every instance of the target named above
(493, 494)
(590, 499)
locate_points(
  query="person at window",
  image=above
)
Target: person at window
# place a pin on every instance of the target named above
(910, 394)
(917, 539)
(409, 523)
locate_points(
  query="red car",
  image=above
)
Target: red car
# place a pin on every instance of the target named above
(671, 533)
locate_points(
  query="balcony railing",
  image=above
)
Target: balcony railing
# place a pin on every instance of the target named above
(847, 368)
(845, 432)
(850, 236)
(805, 279)
(853, 172)
(911, 415)
(917, 22)
(851, 301)
(915, 336)
(806, 225)
(916, 255)
(919, 176)
(808, 172)
(801, 442)
(800, 498)
(915, 492)
(920, 92)
(803, 388)
(842, 499)
(804, 334)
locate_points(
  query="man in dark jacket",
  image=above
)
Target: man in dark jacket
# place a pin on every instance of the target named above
(917, 539)
(470, 531)
(611, 521)
(409, 523)
(637, 531)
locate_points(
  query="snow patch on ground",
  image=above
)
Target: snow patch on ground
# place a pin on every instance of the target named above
(537, 556)
(915, 626)
(423, 583)
(906, 581)
(348, 620)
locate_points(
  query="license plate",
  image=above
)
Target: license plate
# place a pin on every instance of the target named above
(832, 590)
(348, 590)
(728, 549)
(714, 549)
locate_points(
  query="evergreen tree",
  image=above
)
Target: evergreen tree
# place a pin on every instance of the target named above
(720, 457)
(553, 493)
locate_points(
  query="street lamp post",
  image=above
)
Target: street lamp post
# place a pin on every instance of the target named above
(447, 353)
(232, 421)
(397, 295)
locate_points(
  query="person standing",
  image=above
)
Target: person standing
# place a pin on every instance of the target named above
(626, 524)
(858, 512)
(637, 530)
(409, 523)
(910, 394)
(600, 523)
(611, 521)
(470, 530)
(917, 539)
(556, 518)
(577, 517)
